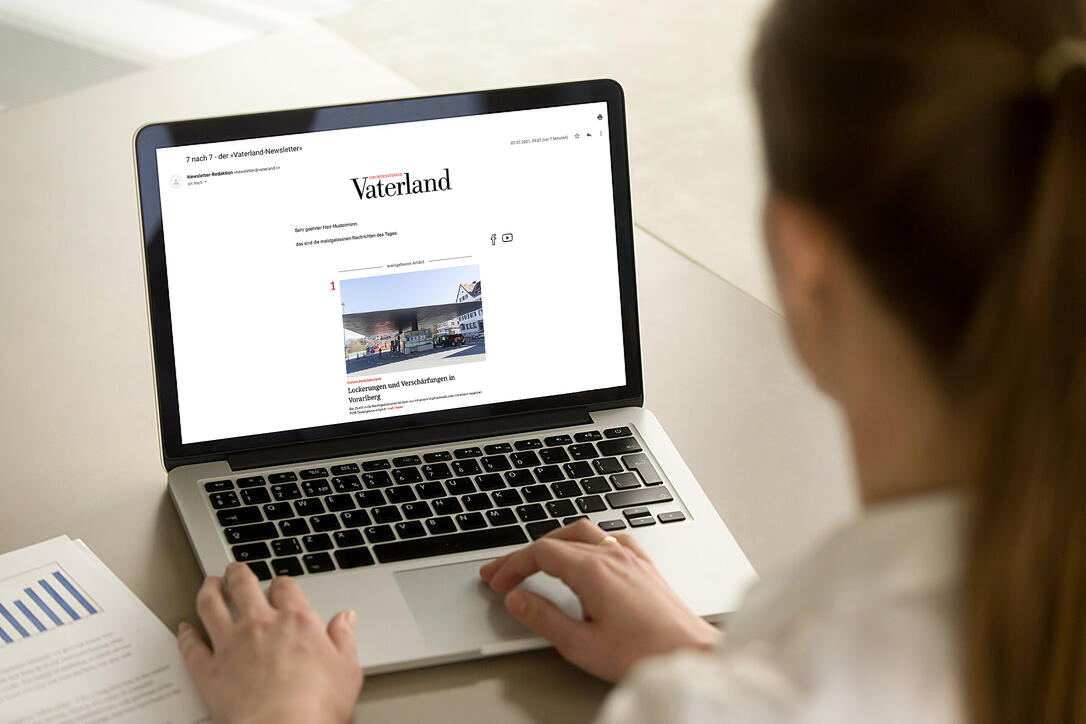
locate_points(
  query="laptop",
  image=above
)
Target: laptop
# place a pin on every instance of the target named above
(394, 340)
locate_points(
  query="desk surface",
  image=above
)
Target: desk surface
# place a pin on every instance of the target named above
(77, 432)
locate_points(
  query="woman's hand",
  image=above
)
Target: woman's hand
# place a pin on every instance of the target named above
(275, 662)
(629, 610)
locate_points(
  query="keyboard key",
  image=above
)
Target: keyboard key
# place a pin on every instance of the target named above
(371, 465)
(251, 481)
(558, 440)
(286, 547)
(642, 521)
(470, 521)
(519, 477)
(344, 469)
(553, 455)
(640, 496)
(404, 494)
(308, 506)
(346, 484)
(369, 498)
(536, 493)
(507, 497)
(408, 475)
(500, 516)
(566, 489)
(455, 543)
(489, 481)
(255, 496)
(228, 499)
(636, 512)
(340, 501)
(405, 460)
(251, 551)
(260, 569)
(612, 432)
(218, 486)
(239, 516)
(595, 485)
(528, 444)
(561, 508)
(250, 533)
(477, 501)
(410, 529)
(379, 479)
(437, 471)
(440, 526)
(318, 562)
(591, 503)
(548, 473)
(316, 487)
(446, 506)
(640, 463)
(328, 521)
(673, 517)
(528, 513)
(314, 473)
(524, 459)
(467, 452)
(577, 470)
(278, 511)
(287, 567)
(541, 528)
(416, 511)
(612, 524)
(317, 542)
(386, 514)
(348, 538)
(354, 518)
(437, 457)
(289, 491)
(498, 447)
(625, 481)
(430, 490)
(354, 557)
(584, 451)
(587, 436)
(466, 467)
(606, 466)
(495, 463)
(460, 486)
(379, 533)
(287, 477)
(619, 446)
(294, 526)
(573, 519)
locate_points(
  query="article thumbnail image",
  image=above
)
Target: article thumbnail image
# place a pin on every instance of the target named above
(413, 320)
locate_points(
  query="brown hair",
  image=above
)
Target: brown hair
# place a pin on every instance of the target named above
(958, 182)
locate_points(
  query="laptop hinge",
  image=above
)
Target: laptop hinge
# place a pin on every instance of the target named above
(412, 437)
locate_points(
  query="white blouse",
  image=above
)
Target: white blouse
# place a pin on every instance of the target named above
(864, 629)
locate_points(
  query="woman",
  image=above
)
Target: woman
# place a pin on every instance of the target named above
(927, 226)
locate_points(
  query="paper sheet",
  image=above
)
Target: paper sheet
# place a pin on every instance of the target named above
(76, 645)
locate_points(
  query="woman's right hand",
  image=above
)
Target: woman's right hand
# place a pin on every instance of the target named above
(630, 613)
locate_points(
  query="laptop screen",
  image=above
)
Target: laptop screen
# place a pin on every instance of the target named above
(363, 273)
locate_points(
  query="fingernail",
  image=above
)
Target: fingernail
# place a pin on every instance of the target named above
(518, 603)
(352, 618)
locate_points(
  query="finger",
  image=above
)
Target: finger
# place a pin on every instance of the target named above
(583, 530)
(285, 594)
(212, 610)
(547, 620)
(194, 651)
(557, 557)
(244, 589)
(630, 542)
(341, 631)
(486, 571)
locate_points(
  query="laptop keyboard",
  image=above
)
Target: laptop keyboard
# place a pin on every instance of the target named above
(390, 509)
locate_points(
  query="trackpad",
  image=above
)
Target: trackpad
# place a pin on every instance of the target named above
(455, 610)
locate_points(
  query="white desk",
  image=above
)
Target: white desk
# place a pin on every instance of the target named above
(77, 431)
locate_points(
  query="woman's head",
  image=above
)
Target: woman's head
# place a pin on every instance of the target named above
(927, 149)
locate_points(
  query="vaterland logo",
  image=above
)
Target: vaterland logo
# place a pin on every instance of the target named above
(398, 184)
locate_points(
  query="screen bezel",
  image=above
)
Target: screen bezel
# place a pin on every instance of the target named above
(154, 136)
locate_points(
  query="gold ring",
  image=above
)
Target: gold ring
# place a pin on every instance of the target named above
(606, 539)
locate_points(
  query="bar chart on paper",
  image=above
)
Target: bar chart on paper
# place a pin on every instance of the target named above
(40, 600)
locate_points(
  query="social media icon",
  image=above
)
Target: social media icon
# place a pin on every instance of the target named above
(507, 237)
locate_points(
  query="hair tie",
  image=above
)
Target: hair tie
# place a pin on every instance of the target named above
(1062, 57)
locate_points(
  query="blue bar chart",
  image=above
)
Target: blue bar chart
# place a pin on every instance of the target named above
(41, 600)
